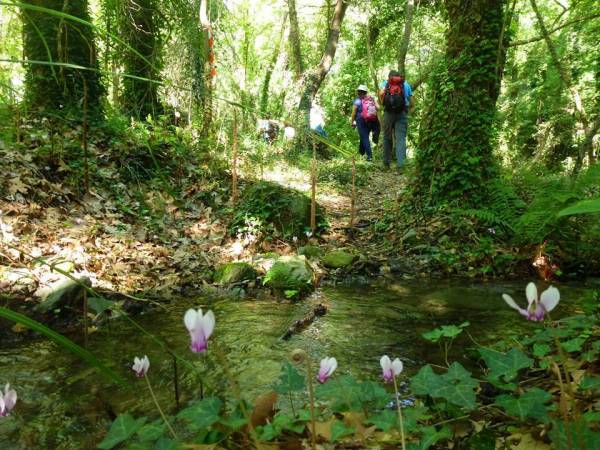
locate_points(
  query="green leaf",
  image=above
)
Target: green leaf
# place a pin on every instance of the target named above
(203, 413)
(339, 430)
(447, 331)
(99, 304)
(62, 341)
(345, 393)
(457, 386)
(541, 350)
(288, 422)
(290, 380)
(164, 443)
(582, 437)
(590, 383)
(268, 432)
(582, 207)
(530, 404)
(385, 420)
(505, 365)
(121, 429)
(573, 345)
(151, 431)
(431, 436)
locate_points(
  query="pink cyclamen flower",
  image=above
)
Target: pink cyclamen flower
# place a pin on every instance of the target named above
(537, 307)
(141, 366)
(7, 400)
(390, 369)
(200, 327)
(328, 366)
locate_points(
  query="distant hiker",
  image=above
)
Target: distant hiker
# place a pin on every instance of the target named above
(364, 118)
(396, 96)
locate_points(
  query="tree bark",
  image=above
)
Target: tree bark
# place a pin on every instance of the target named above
(455, 160)
(372, 70)
(294, 37)
(410, 7)
(139, 29)
(264, 91)
(313, 79)
(49, 38)
(566, 79)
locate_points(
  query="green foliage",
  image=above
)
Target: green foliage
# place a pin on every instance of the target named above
(531, 404)
(268, 207)
(505, 366)
(122, 429)
(202, 414)
(445, 331)
(290, 380)
(582, 207)
(346, 393)
(456, 385)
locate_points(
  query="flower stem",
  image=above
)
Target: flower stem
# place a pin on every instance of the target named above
(162, 414)
(399, 414)
(311, 396)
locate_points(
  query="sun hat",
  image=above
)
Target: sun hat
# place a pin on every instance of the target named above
(363, 88)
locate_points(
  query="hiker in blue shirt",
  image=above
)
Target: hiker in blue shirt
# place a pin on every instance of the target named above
(396, 96)
(364, 118)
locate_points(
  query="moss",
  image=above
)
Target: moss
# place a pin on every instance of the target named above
(338, 258)
(290, 273)
(234, 273)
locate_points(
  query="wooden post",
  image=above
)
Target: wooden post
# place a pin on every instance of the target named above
(353, 199)
(85, 137)
(313, 200)
(18, 123)
(85, 314)
(234, 187)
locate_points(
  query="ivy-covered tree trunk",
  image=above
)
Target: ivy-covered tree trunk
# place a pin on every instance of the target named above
(454, 159)
(49, 38)
(139, 29)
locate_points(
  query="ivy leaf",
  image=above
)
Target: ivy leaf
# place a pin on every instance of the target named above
(345, 393)
(151, 431)
(385, 420)
(573, 345)
(505, 365)
(431, 436)
(288, 422)
(203, 413)
(164, 443)
(121, 429)
(290, 380)
(268, 432)
(530, 404)
(339, 430)
(457, 386)
(590, 383)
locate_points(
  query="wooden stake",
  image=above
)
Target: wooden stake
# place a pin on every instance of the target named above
(234, 187)
(313, 200)
(85, 138)
(353, 199)
(85, 314)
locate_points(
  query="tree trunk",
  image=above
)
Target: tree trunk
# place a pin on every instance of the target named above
(264, 91)
(455, 161)
(295, 39)
(565, 77)
(50, 38)
(410, 7)
(313, 79)
(138, 28)
(370, 43)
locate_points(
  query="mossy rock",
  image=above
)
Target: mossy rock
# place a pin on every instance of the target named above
(311, 251)
(235, 272)
(290, 274)
(269, 207)
(338, 259)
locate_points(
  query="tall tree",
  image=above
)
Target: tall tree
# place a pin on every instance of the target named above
(410, 7)
(294, 38)
(139, 29)
(314, 77)
(48, 37)
(454, 158)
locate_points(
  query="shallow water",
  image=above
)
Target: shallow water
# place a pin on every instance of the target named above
(65, 404)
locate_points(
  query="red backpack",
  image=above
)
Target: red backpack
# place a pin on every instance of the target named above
(368, 109)
(393, 99)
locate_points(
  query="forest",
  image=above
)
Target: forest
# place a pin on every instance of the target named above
(300, 224)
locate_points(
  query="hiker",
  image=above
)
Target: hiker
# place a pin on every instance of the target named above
(397, 99)
(364, 119)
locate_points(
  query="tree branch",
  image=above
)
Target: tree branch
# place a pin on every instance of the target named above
(552, 30)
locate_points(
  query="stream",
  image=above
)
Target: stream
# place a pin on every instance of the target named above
(65, 404)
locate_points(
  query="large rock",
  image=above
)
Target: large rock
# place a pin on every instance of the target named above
(310, 251)
(64, 294)
(290, 273)
(235, 272)
(338, 259)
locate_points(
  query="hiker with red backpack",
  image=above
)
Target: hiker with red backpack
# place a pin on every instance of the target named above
(364, 118)
(397, 99)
